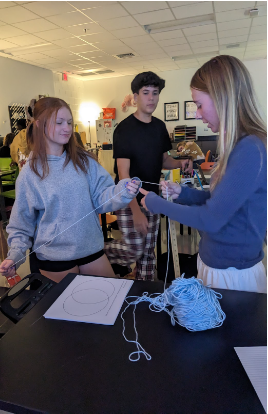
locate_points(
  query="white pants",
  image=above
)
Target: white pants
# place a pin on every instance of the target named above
(251, 280)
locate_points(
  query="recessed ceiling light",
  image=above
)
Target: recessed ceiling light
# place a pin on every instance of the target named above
(179, 24)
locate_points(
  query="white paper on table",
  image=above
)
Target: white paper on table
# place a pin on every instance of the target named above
(254, 361)
(90, 299)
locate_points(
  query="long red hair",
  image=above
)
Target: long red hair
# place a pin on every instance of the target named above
(45, 111)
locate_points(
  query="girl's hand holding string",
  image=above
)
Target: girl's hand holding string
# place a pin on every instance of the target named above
(7, 268)
(133, 186)
(170, 189)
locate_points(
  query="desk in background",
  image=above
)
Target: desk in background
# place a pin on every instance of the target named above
(77, 368)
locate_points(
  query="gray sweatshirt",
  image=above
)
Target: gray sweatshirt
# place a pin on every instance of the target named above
(45, 208)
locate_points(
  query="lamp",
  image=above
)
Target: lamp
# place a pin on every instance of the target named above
(179, 24)
(195, 56)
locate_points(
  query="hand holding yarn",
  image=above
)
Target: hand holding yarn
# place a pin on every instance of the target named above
(170, 190)
(133, 186)
(144, 192)
(7, 268)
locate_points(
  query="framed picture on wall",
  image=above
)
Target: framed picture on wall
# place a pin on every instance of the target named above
(171, 111)
(190, 109)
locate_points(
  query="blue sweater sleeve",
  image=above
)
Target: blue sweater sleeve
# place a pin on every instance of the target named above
(236, 186)
(190, 196)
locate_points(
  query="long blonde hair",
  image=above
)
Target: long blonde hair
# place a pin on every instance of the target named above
(228, 82)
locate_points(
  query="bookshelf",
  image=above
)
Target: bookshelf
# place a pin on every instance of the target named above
(183, 132)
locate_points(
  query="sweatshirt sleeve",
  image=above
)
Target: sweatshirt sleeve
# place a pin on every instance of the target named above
(22, 221)
(106, 196)
(228, 196)
(190, 196)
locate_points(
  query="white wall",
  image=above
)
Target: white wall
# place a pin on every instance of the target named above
(111, 92)
(19, 83)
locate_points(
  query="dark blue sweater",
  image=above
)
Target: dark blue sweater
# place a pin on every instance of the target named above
(232, 219)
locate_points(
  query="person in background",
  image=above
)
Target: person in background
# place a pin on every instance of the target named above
(57, 189)
(190, 149)
(5, 149)
(78, 139)
(19, 144)
(232, 217)
(141, 143)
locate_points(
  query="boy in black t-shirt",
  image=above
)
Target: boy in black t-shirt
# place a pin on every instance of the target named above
(141, 142)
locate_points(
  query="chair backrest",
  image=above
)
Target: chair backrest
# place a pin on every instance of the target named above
(5, 163)
(207, 165)
(208, 156)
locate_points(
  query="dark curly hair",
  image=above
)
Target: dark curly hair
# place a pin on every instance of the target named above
(147, 79)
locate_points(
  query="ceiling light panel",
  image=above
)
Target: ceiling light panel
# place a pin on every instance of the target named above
(68, 19)
(16, 14)
(49, 8)
(36, 25)
(172, 42)
(154, 17)
(120, 23)
(107, 12)
(191, 10)
(135, 7)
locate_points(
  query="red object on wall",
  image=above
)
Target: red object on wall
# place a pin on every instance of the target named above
(64, 77)
(108, 113)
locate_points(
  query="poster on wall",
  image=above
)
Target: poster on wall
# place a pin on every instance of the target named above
(190, 109)
(171, 111)
(16, 111)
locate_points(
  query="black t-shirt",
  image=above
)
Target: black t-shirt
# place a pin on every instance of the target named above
(144, 145)
(4, 152)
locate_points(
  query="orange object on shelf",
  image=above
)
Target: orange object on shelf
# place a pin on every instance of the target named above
(108, 113)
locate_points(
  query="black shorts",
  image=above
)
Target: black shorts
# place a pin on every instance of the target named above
(61, 266)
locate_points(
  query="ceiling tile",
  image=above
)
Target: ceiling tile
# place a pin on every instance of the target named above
(85, 29)
(72, 41)
(98, 37)
(33, 56)
(6, 45)
(190, 10)
(259, 21)
(211, 42)
(130, 32)
(233, 39)
(221, 6)
(10, 31)
(234, 24)
(138, 40)
(25, 40)
(44, 60)
(181, 3)
(49, 8)
(36, 25)
(176, 48)
(59, 53)
(81, 5)
(35, 48)
(200, 37)
(154, 17)
(68, 19)
(257, 36)
(171, 42)
(233, 32)
(171, 34)
(107, 12)
(83, 48)
(213, 49)
(55, 34)
(197, 30)
(260, 3)
(254, 29)
(16, 14)
(4, 4)
(180, 53)
(232, 15)
(135, 7)
(262, 10)
(120, 23)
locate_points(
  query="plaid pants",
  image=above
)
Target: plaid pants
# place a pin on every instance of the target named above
(134, 246)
